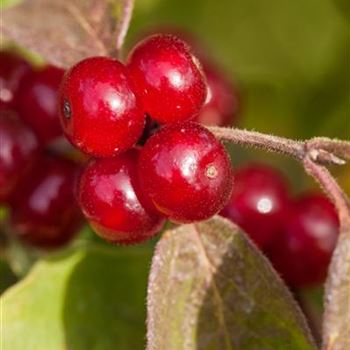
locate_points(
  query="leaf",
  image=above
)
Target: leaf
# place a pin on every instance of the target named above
(91, 299)
(336, 324)
(7, 277)
(210, 288)
(62, 31)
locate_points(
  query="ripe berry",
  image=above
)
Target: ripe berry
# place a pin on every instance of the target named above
(13, 69)
(186, 172)
(221, 105)
(100, 113)
(168, 79)
(18, 149)
(258, 202)
(304, 248)
(44, 212)
(37, 103)
(113, 201)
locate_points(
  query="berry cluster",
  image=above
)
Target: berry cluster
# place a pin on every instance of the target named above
(36, 184)
(181, 173)
(152, 159)
(298, 235)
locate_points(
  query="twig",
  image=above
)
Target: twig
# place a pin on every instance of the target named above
(320, 150)
(339, 147)
(313, 154)
(269, 143)
(322, 175)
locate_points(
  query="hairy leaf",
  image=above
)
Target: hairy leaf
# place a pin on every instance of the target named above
(90, 299)
(62, 31)
(337, 310)
(210, 288)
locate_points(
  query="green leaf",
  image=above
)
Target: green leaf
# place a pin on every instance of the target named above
(7, 277)
(210, 288)
(92, 299)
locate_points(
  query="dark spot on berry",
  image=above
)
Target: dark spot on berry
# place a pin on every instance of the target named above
(211, 171)
(67, 111)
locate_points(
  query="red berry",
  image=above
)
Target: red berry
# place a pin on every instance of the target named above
(13, 70)
(113, 202)
(18, 149)
(258, 202)
(37, 103)
(168, 79)
(44, 212)
(221, 105)
(186, 172)
(100, 113)
(304, 248)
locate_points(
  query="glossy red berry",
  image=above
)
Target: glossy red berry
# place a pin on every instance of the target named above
(18, 149)
(258, 203)
(304, 248)
(100, 113)
(113, 201)
(44, 212)
(186, 172)
(167, 78)
(37, 103)
(222, 102)
(13, 70)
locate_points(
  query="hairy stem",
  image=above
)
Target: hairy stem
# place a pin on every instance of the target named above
(124, 23)
(322, 175)
(256, 139)
(339, 147)
(320, 150)
(313, 154)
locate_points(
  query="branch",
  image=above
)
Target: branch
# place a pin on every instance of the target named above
(320, 150)
(267, 142)
(313, 154)
(339, 147)
(322, 175)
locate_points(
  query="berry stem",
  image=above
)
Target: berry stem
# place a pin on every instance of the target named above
(320, 150)
(124, 23)
(313, 154)
(267, 142)
(339, 147)
(323, 176)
